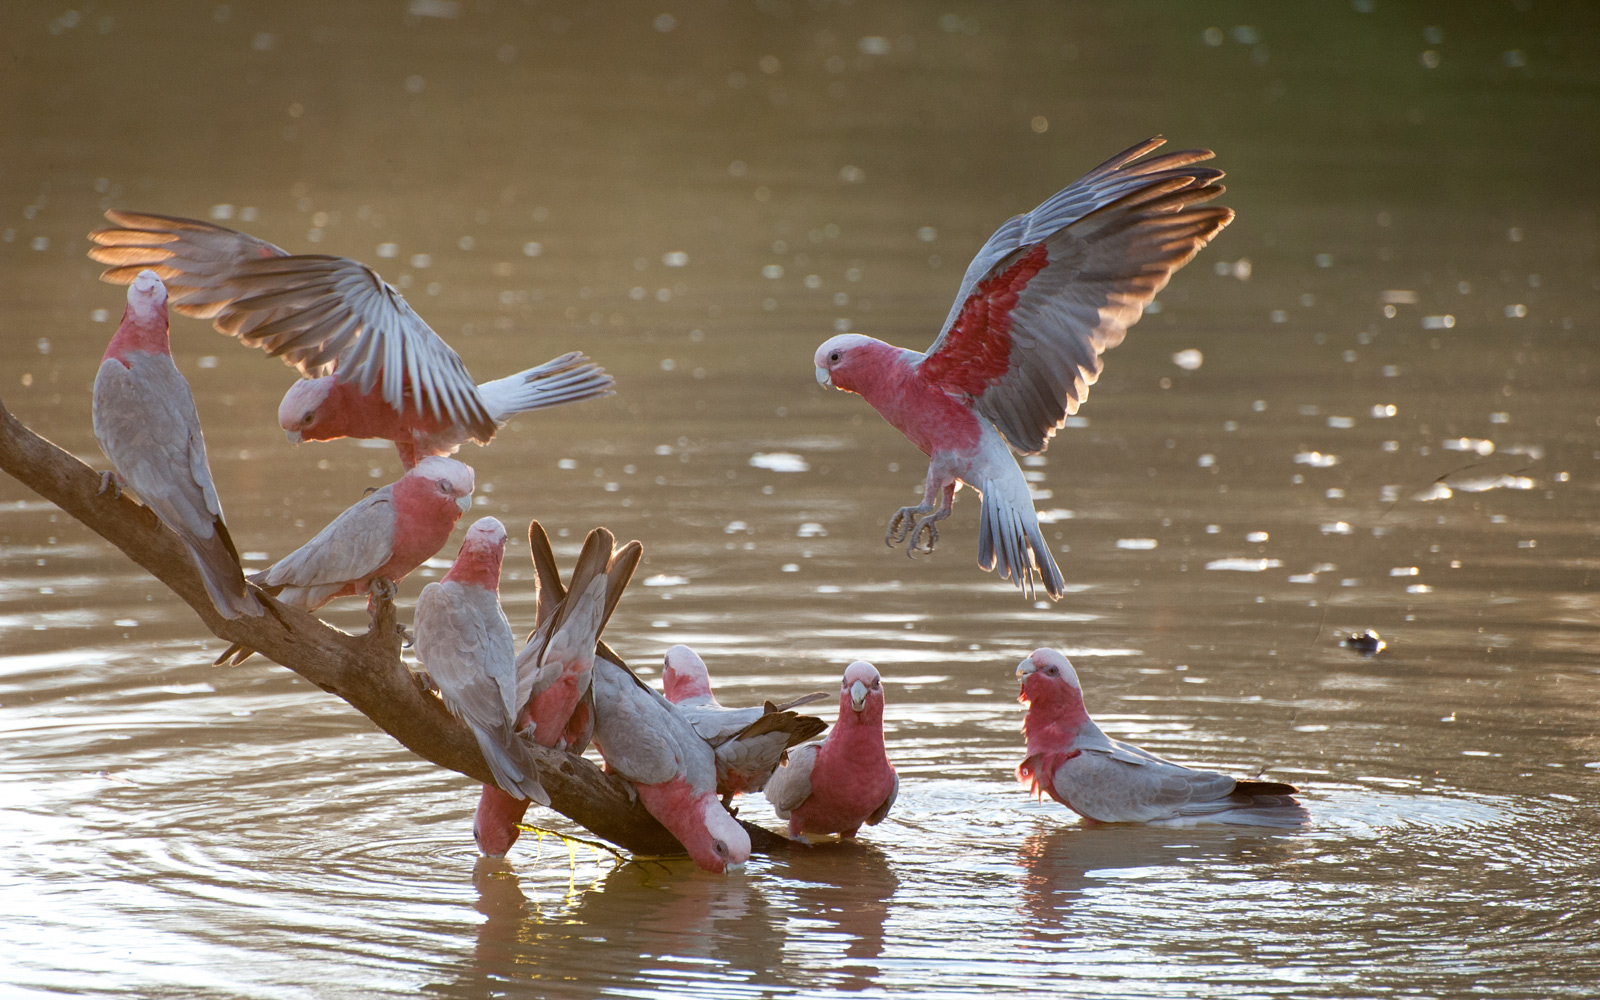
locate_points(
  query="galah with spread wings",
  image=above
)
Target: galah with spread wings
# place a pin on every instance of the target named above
(750, 742)
(146, 423)
(554, 671)
(465, 643)
(382, 537)
(846, 780)
(1073, 762)
(1047, 294)
(392, 376)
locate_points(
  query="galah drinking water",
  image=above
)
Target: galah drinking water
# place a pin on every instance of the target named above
(1073, 762)
(554, 671)
(394, 377)
(146, 423)
(1046, 295)
(383, 536)
(846, 780)
(465, 643)
(750, 742)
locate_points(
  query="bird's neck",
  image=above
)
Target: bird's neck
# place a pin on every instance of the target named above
(140, 330)
(1053, 724)
(921, 409)
(478, 567)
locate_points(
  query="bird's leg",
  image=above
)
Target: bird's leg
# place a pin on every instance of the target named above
(927, 523)
(380, 591)
(109, 484)
(907, 518)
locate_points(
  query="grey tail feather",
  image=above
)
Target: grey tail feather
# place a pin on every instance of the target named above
(1279, 812)
(567, 379)
(1017, 546)
(225, 584)
(1273, 788)
(804, 699)
(515, 777)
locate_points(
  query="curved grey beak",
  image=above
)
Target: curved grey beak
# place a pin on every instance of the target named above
(465, 503)
(825, 378)
(1025, 668)
(858, 695)
(293, 436)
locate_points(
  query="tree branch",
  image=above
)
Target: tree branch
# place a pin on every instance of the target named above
(364, 670)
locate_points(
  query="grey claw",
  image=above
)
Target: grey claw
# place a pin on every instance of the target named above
(108, 483)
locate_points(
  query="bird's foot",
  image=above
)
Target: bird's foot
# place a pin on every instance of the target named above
(407, 641)
(108, 484)
(382, 588)
(901, 524)
(923, 526)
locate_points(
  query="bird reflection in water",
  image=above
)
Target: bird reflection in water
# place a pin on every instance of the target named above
(848, 884)
(1067, 864)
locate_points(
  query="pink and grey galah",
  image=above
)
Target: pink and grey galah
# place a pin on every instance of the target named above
(554, 671)
(465, 643)
(750, 742)
(846, 780)
(382, 537)
(146, 423)
(1071, 760)
(392, 376)
(1046, 295)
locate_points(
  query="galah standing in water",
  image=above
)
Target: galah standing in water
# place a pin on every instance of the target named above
(750, 742)
(465, 643)
(146, 423)
(1048, 293)
(332, 316)
(554, 671)
(846, 780)
(1073, 762)
(382, 537)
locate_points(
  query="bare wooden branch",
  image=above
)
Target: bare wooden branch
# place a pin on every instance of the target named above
(365, 670)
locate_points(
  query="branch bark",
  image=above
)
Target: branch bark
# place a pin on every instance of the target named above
(364, 670)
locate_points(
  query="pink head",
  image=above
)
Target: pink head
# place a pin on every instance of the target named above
(478, 562)
(850, 361)
(861, 694)
(1054, 698)
(300, 413)
(436, 480)
(721, 843)
(144, 319)
(685, 676)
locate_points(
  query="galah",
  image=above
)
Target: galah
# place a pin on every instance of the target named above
(750, 742)
(146, 423)
(329, 316)
(1046, 295)
(1072, 761)
(645, 740)
(465, 643)
(846, 780)
(325, 409)
(554, 672)
(382, 537)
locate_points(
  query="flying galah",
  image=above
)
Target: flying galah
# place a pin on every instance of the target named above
(1073, 762)
(324, 409)
(846, 780)
(750, 742)
(146, 423)
(465, 643)
(1046, 295)
(327, 315)
(554, 671)
(383, 536)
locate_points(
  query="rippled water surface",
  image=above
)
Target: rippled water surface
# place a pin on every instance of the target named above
(1392, 424)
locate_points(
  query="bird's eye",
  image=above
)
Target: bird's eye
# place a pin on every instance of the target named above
(834, 357)
(876, 684)
(444, 486)
(719, 848)
(1052, 671)
(308, 418)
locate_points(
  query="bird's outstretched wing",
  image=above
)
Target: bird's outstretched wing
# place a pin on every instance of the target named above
(321, 314)
(1054, 288)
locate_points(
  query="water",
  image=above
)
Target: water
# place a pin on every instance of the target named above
(179, 829)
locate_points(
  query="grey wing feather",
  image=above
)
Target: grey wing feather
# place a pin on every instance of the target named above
(1113, 239)
(790, 785)
(1127, 788)
(567, 379)
(352, 545)
(319, 313)
(879, 813)
(633, 730)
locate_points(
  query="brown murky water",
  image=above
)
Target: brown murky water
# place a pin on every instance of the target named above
(697, 196)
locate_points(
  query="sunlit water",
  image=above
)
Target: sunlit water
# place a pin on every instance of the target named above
(1392, 424)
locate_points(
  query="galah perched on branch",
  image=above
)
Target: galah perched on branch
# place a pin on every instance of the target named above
(1046, 295)
(382, 537)
(846, 780)
(750, 742)
(465, 643)
(554, 672)
(1073, 762)
(146, 423)
(392, 376)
